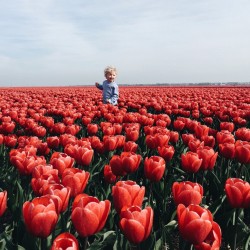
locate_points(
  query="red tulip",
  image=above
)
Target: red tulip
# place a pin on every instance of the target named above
(126, 194)
(110, 142)
(191, 162)
(154, 168)
(47, 121)
(59, 190)
(82, 154)
(208, 121)
(227, 150)
(179, 125)
(72, 129)
(39, 131)
(213, 132)
(94, 141)
(40, 216)
(10, 140)
(120, 141)
(136, 223)
(196, 114)
(151, 141)
(109, 177)
(227, 126)
(130, 146)
(99, 147)
(240, 121)
(132, 133)
(118, 118)
(61, 161)
(208, 140)
(194, 219)
(144, 120)
(243, 134)
(224, 136)
(208, 157)
(7, 127)
(108, 129)
(3, 202)
(92, 129)
(28, 149)
(43, 149)
(187, 193)
(42, 176)
(201, 130)
(26, 163)
(161, 123)
(161, 139)
(127, 162)
(53, 142)
(65, 241)
(89, 215)
(59, 128)
(186, 138)
(194, 144)
(118, 128)
(166, 152)
(165, 118)
(1, 139)
(238, 193)
(212, 241)
(86, 120)
(149, 130)
(66, 139)
(76, 179)
(191, 125)
(174, 136)
(242, 151)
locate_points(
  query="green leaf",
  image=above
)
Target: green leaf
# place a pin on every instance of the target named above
(105, 240)
(20, 247)
(158, 245)
(19, 198)
(172, 224)
(217, 205)
(247, 244)
(2, 244)
(108, 234)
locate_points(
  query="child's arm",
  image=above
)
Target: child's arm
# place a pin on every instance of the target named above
(99, 86)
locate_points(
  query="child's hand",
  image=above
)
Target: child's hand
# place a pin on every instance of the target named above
(96, 84)
(108, 101)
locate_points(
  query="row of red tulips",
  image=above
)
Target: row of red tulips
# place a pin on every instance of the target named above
(78, 173)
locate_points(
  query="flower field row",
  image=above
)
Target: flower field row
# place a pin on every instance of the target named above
(167, 168)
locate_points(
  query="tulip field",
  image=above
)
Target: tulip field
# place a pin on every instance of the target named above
(167, 168)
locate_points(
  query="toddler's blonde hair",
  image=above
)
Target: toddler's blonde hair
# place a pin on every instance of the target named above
(110, 69)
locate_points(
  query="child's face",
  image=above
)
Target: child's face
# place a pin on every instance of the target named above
(110, 76)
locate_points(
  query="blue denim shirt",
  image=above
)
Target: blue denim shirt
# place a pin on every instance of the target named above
(109, 91)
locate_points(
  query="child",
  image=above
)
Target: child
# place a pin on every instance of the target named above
(109, 87)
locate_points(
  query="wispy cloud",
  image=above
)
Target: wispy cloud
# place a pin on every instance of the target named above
(57, 42)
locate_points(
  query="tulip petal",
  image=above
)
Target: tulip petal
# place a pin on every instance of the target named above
(133, 230)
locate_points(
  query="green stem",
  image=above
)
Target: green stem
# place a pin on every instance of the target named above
(184, 244)
(151, 195)
(134, 247)
(229, 168)
(235, 223)
(239, 172)
(84, 242)
(164, 192)
(43, 243)
(202, 178)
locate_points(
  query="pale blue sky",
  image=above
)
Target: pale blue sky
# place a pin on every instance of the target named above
(59, 42)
